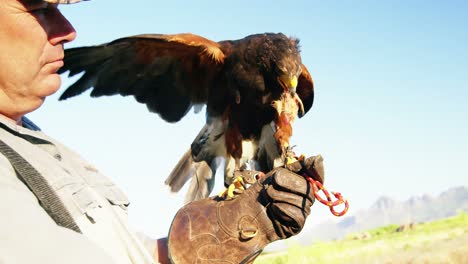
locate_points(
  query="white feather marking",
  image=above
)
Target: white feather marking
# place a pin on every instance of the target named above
(288, 105)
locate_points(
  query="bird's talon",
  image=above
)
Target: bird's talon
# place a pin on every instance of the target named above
(290, 160)
(230, 191)
(223, 193)
(301, 157)
(236, 187)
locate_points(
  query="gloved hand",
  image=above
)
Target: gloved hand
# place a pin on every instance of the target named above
(237, 230)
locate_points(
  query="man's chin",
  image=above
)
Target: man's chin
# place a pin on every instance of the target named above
(50, 86)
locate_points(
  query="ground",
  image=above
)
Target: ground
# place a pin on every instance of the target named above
(439, 242)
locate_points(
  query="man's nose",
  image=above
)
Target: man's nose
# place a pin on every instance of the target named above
(60, 29)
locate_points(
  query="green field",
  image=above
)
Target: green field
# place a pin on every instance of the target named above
(443, 241)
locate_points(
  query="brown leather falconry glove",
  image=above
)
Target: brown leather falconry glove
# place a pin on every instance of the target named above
(237, 230)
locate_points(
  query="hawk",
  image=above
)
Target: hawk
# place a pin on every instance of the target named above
(253, 89)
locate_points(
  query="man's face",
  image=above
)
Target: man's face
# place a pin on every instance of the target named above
(32, 34)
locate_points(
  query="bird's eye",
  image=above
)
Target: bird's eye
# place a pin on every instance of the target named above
(280, 70)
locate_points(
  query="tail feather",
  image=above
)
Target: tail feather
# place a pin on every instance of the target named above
(202, 183)
(201, 174)
(181, 173)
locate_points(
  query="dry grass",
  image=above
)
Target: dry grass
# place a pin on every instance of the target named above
(439, 242)
(443, 251)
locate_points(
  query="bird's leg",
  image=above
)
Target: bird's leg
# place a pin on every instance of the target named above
(283, 133)
(234, 144)
(242, 178)
(287, 152)
(237, 165)
(237, 184)
(233, 139)
(291, 157)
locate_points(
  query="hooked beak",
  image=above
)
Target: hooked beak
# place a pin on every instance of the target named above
(288, 83)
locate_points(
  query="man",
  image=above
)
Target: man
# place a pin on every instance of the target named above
(65, 211)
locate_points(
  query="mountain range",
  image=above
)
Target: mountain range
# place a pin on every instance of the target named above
(385, 211)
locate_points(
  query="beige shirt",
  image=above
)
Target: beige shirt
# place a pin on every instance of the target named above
(29, 235)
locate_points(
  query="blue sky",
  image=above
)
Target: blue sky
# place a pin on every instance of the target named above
(390, 115)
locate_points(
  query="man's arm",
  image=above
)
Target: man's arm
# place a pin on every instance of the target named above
(160, 253)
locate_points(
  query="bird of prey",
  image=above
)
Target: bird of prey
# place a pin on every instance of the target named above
(253, 89)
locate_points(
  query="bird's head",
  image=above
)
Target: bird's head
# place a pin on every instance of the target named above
(285, 62)
(288, 80)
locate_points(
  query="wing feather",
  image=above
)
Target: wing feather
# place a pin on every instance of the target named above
(168, 73)
(305, 89)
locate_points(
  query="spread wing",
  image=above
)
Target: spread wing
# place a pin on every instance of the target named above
(305, 89)
(168, 73)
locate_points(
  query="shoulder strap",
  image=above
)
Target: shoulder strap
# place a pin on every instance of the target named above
(39, 186)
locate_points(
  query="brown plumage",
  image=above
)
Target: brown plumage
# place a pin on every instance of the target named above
(237, 80)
